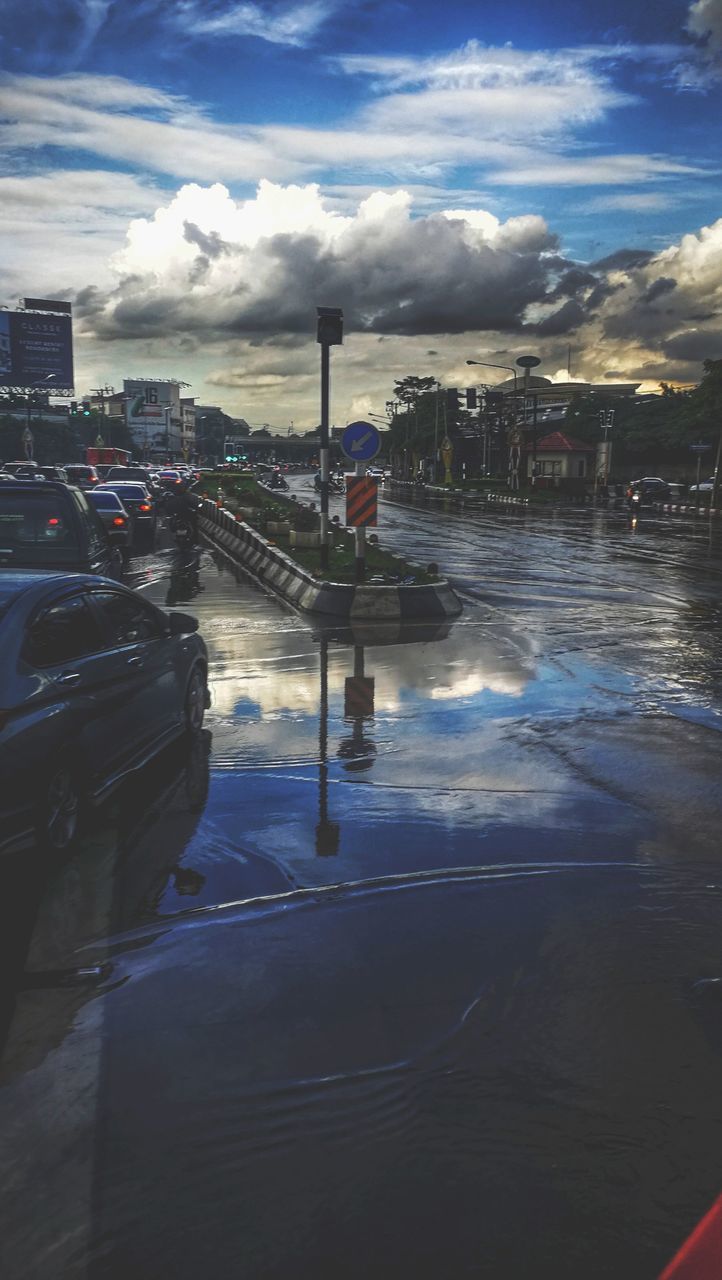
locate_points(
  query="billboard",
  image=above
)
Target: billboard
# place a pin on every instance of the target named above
(153, 413)
(36, 349)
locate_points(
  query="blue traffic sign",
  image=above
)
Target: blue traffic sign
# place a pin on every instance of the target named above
(361, 441)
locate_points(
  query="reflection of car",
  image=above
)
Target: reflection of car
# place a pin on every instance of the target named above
(50, 525)
(95, 681)
(85, 477)
(139, 505)
(113, 514)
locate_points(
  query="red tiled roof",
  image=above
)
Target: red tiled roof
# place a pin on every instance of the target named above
(557, 442)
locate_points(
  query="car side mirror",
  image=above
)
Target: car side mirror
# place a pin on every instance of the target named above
(180, 624)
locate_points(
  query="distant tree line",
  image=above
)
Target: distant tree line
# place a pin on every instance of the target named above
(646, 429)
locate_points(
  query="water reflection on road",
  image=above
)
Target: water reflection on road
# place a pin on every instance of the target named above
(419, 941)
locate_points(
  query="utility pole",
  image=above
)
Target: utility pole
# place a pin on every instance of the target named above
(329, 333)
(101, 393)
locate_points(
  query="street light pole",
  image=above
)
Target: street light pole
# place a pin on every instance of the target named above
(329, 333)
(27, 434)
(486, 364)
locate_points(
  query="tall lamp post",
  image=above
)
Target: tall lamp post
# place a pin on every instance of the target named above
(487, 364)
(526, 363)
(27, 433)
(329, 333)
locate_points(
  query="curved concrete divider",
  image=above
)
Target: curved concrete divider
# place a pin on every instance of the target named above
(278, 571)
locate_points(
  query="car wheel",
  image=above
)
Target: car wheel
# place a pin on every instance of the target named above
(59, 813)
(195, 703)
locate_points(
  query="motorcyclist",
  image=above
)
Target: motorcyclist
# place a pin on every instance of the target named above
(184, 504)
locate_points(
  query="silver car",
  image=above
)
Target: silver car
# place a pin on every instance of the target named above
(113, 515)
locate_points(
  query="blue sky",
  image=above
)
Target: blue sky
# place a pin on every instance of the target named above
(437, 171)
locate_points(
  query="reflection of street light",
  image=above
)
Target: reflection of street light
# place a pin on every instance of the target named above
(327, 833)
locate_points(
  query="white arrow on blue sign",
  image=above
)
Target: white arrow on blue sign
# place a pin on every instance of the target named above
(361, 441)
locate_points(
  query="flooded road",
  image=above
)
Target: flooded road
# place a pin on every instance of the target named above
(412, 963)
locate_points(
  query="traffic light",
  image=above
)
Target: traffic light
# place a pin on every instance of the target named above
(86, 408)
(471, 398)
(452, 402)
(73, 408)
(329, 326)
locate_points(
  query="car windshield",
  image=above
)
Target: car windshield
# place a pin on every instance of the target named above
(128, 490)
(35, 528)
(105, 501)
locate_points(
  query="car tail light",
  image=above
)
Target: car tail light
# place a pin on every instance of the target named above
(144, 506)
(53, 521)
(119, 521)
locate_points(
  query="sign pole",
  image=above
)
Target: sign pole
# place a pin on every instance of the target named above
(360, 536)
(324, 451)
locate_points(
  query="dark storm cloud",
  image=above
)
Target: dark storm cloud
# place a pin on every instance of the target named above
(623, 260)
(695, 345)
(401, 276)
(210, 243)
(568, 317)
(662, 285)
(574, 282)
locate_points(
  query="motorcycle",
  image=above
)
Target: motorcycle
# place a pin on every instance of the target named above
(181, 527)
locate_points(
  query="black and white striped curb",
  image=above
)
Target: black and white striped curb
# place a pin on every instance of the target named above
(687, 508)
(275, 569)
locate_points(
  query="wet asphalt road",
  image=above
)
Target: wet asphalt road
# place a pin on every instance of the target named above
(430, 991)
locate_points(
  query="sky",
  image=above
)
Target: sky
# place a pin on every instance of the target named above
(465, 180)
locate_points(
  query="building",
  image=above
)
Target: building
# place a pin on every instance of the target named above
(545, 401)
(560, 457)
(154, 417)
(188, 427)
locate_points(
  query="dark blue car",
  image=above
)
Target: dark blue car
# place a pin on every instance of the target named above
(94, 681)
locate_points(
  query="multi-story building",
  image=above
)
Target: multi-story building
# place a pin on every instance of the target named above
(154, 417)
(188, 427)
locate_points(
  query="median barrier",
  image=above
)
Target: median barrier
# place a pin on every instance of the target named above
(277, 571)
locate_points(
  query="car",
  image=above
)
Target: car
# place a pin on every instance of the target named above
(113, 515)
(647, 491)
(677, 491)
(49, 525)
(139, 475)
(85, 477)
(54, 473)
(705, 486)
(95, 682)
(168, 479)
(139, 505)
(25, 467)
(376, 473)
